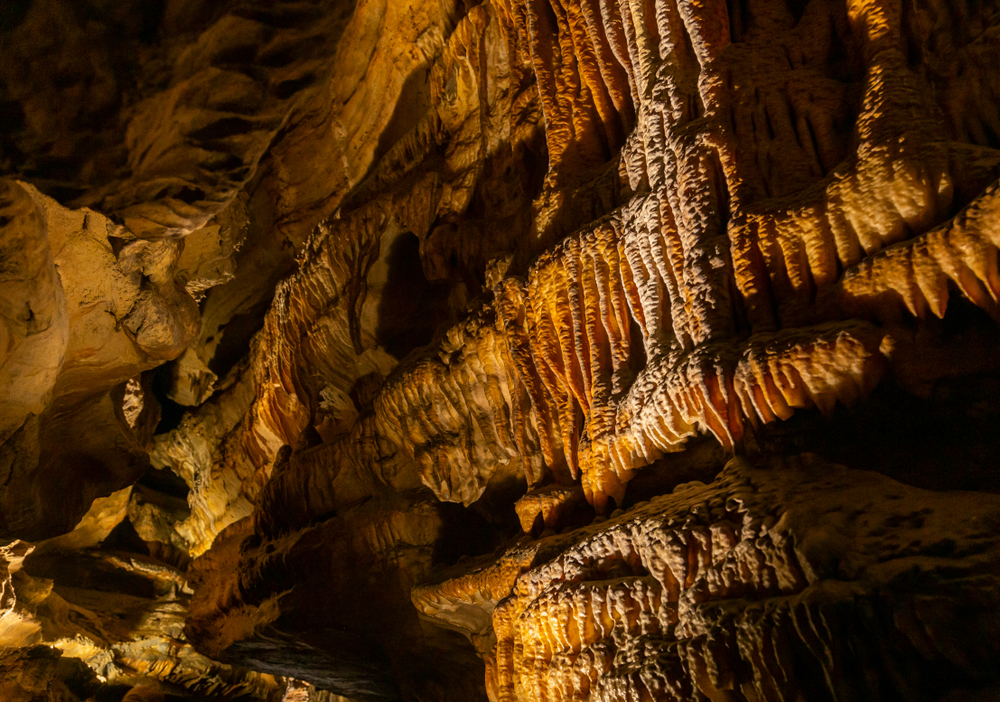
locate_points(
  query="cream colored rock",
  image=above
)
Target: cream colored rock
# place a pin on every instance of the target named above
(206, 453)
(103, 516)
(122, 615)
(107, 307)
(35, 324)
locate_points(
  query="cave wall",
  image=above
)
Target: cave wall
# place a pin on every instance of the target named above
(638, 349)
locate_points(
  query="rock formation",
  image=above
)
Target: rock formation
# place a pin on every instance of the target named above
(510, 350)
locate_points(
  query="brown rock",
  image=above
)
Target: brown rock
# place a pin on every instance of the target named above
(319, 320)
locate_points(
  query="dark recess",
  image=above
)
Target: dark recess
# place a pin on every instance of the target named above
(412, 308)
(12, 12)
(236, 336)
(165, 481)
(171, 413)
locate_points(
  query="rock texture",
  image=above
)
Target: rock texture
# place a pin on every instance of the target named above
(800, 580)
(353, 348)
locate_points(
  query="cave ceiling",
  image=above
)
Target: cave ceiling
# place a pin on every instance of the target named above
(515, 350)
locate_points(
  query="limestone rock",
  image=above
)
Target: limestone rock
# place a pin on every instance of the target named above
(101, 309)
(781, 582)
(39, 673)
(376, 344)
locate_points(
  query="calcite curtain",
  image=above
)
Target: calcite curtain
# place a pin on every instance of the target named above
(516, 350)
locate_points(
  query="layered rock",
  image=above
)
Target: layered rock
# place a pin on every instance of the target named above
(798, 580)
(701, 303)
(96, 594)
(256, 602)
(379, 288)
(90, 308)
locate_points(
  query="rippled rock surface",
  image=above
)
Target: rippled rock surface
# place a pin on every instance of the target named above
(624, 350)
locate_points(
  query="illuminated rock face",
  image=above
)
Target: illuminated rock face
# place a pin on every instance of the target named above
(331, 335)
(800, 580)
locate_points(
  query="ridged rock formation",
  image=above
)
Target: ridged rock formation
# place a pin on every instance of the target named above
(801, 580)
(623, 349)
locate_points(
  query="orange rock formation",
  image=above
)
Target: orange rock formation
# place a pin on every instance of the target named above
(625, 349)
